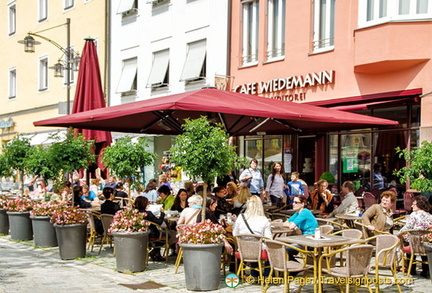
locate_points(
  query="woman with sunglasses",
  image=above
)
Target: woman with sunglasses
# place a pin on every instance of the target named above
(302, 222)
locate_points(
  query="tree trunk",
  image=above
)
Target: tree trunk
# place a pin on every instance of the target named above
(204, 204)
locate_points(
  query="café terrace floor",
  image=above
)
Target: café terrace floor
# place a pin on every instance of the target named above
(26, 268)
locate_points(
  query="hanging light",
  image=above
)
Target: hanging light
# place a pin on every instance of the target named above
(76, 62)
(29, 44)
(58, 69)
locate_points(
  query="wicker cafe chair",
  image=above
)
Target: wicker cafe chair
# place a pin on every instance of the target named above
(92, 233)
(415, 248)
(385, 257)
(180, 250)
(366, 231)
(250, 250)
(161, 240)
(326, 229)
(358, 260)
(348, 233)
(107, 237)
(279, 261)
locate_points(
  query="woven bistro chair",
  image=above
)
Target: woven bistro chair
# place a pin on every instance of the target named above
(250, 250)
(357, 265)
(107, 237)
(93, 235)
(415, 248)
(161, 240)
(385, 257)
(279, 262)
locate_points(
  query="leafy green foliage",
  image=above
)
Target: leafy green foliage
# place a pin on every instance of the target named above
(125, 158)
(71, 154)
(41, 162)
(5, 170)
(329, 177)
(418, 169)
(203, 150)
(16, 151)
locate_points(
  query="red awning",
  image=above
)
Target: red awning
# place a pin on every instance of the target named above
(241, 114)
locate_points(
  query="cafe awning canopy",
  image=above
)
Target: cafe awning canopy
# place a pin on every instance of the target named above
(240, 114)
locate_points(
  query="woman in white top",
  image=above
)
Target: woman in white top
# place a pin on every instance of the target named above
(255, 218)
(189, 215)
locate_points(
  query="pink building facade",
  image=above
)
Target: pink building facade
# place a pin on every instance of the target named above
(364, 56)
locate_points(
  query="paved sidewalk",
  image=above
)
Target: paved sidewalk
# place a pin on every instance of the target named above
(25, 268)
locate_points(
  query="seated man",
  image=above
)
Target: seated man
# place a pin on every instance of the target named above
(349, 204)
(109, 207)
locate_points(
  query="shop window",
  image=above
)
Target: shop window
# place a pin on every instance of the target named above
(195, 64)
(12, 83)
(250, 23)
(159, 74)
(323, 25)
(12, 18)
(43, 73)
(372, 12)
(128, 79)
(276, 28)
(42, 10)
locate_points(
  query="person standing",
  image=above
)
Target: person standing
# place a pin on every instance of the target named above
(295, 187)
(378, 179)
(252, 178)
(276, 185)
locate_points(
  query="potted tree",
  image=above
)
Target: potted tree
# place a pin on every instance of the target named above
(126, 158)
(4, 220)
(18, 211)
(70, 225)
(43, 230)
(203, 151)
(130, 232)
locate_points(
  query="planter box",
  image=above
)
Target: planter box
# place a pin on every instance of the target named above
(44, 231)
(4, 222)
(20, 226)
(71, 240)
(131, 250)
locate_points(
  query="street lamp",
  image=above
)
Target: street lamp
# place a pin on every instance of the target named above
(72, 58)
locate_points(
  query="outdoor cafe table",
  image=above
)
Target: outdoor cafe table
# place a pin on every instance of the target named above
(279, 231)
(348, 219)
(318, 245)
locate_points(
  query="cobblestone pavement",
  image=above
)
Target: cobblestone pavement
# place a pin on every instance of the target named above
(26, 268)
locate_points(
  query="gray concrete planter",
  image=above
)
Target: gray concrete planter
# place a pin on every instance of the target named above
(71, 240)
(4, 222)
(428, 249)
(43, 231)
(202, 264)
(20, 226)
(131, 250)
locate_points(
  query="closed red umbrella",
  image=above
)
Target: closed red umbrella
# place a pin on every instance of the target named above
(89, 96)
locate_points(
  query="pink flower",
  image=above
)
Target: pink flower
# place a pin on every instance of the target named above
(201, 233)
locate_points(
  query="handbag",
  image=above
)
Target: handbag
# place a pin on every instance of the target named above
(264, 255)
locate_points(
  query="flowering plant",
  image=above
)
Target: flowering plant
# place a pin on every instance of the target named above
(201, 233)
(44, 209)
(65, 215)
(3, 201)
(129, 220)
(20, 204)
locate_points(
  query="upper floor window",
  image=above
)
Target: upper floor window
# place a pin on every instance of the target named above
(156, 3)
(42, 10)
(323, 25)
(127, 7)
(250, 22)
(159, 74)
(373, 12)
(68, 4)
(68, 66)
(128, 80)
(43, 73)
(276, 28)
(12, 83)
(195, 65)
(12, 18)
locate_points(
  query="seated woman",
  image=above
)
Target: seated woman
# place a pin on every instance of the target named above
(253, 221)
(180, 202)
(379, 216)
(321, 198)
(88, 195)
(141, 204)
(79, 202)
(189, 214)
(211, 204)
(302, 222)
(232, 191)
(419, 219)
(239, 205)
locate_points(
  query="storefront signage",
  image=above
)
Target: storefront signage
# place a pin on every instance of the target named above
(6, 124)
(288, 83)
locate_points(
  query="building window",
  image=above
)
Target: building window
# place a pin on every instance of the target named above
(68, 67)
(42, 10)
(250, 19)
(159, 74)
(43, 73)
(68, 4)
(276, 28)
(195, 64)
(12, 18)
(128, 79)
(127, 7)
(12, 83)
(323, 18)
(372, 12)
(156, 3)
